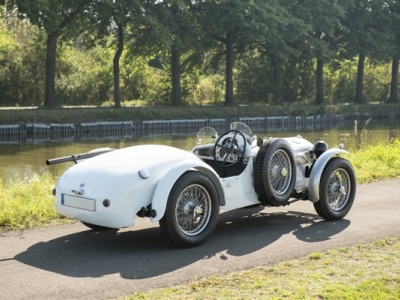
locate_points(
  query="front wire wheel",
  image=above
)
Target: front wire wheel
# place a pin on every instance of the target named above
(192, 210)
(337, 189)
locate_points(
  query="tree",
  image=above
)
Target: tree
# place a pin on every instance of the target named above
(117, 15)
(323, 16)
(173, 19)
(171, 32)
(364, 36)
(235, 24)
(283, 39)
(21, 61)
(58, 18)
(393, 14)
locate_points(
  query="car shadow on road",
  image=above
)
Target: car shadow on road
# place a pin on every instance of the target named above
(146, 253)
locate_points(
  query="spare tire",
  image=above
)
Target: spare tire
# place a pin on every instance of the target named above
(275, 172)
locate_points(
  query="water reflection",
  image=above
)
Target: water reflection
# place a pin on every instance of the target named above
(28, 155)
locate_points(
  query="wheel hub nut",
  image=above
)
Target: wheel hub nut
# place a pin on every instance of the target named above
(197, 210)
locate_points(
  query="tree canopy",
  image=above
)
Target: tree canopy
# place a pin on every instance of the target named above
(198, 51)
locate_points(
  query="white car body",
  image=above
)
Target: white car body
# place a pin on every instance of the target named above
(111, 189)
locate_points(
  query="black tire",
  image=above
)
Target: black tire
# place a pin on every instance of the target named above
(97, 227)
(337, 189)
(192, 210)
(275, 172)
(319, 210)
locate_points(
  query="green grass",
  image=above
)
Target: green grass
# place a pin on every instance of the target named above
(28, 202)
(81, 115)
(364, 271)
(381, 161)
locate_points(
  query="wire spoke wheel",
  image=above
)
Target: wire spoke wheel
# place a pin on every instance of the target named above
(280, 172)
(193, 209)
(338, 185)
(337, 189)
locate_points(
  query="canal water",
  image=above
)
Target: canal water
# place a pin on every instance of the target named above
(26, 156)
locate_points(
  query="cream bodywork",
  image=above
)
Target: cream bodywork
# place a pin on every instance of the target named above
(114, 176)
(138, 177)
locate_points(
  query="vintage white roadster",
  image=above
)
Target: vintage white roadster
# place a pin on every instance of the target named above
(185, 190)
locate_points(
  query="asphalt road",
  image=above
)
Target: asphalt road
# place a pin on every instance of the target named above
(72, 262)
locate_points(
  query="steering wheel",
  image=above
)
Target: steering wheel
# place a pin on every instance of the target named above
(229, 151)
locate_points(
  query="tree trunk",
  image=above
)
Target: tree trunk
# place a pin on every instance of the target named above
(176, 76)
(276, 79)
(229, 99)
(360, 80)
(51, 50)
(50, 90)
(320, 81)
(394, 85)
(117, 57)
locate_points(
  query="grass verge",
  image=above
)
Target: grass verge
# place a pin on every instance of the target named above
(364, 271)
(94, 114)
(28, 202)
(376, 162)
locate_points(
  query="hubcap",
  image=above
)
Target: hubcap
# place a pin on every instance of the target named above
(193, 209)
(338, 186)
(280, 172)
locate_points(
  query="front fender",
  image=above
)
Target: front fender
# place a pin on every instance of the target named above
(161, 193)
(317, 169)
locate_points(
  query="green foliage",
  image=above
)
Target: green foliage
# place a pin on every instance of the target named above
(162, 112)
(52, 15)
(324, 19)
(139, 81)
(296, 82)
(368, 19)
(84, 77)
(376, 162)
(209, 90)
(275, 45)
(340, 82)
(257, 88)
(27, 202)
(22, 61)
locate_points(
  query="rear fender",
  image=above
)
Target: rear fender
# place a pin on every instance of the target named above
(317, 169)
(161, 193)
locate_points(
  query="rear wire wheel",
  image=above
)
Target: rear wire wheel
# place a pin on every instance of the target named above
(192, 210)
(337, 189)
